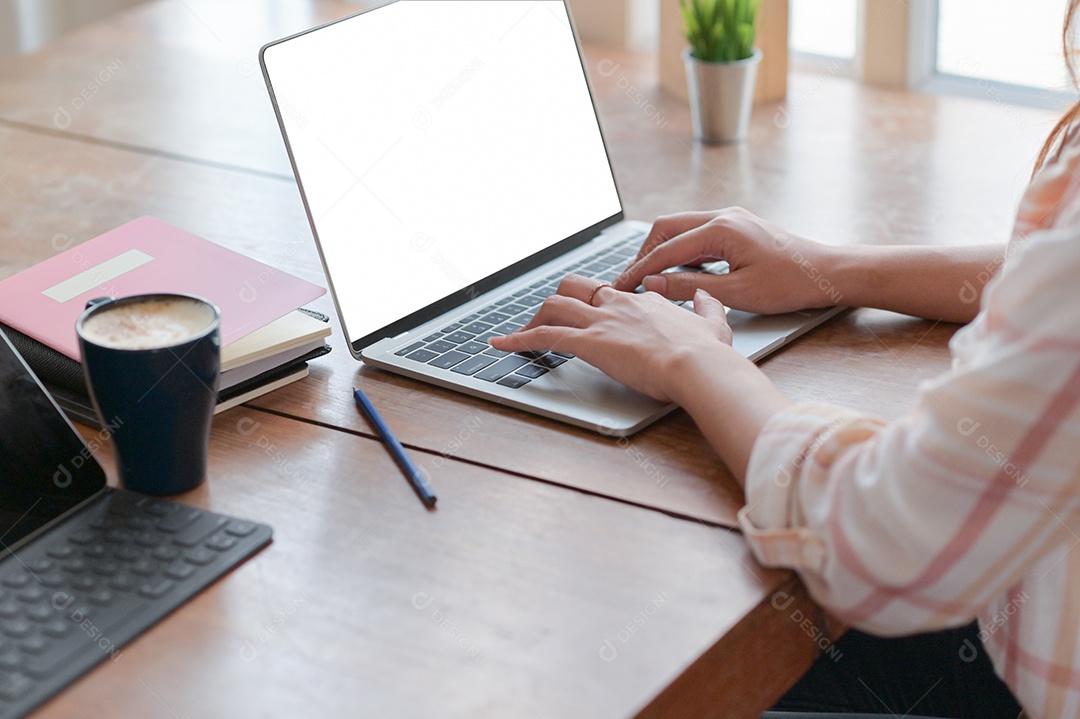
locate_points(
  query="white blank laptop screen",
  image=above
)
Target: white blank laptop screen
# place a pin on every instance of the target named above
(438, 142)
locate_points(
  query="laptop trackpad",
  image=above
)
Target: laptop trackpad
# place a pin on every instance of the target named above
(578, 385)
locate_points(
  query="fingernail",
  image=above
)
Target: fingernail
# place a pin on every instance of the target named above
(655, 283)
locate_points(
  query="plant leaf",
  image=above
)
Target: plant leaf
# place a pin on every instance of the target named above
(720, 30)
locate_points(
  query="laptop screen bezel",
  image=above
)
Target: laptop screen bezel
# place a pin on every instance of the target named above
(480, 287)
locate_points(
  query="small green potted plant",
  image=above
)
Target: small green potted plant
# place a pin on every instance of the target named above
(721, 65)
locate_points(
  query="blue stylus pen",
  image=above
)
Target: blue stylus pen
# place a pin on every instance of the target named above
(412, 472)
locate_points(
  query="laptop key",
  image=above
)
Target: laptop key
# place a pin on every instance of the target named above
(440, 346)
(515, 309)
(411, 348)
(532, 371)
(221, 543)
(41, 613)
(504, 301)
(501, 368)
(551, 360)
(423, 356)
(17, 628)
(531, 300)
(452, 327)
(198, 532)
(491, 351)
(448, 360)
(84, 584)
(459, 337)
(507, 327)
(473, 364)
(201, 556)
(57, 628)
(473, 347)
(432, 338)
(11, 660)
(514, 381)
(14, 686)
(17, 580)
(34, 645)
(157, 589)
(240, 528)
(495, 318)
(477, 327)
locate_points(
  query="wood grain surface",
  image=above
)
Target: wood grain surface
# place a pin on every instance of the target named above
(512, 598)
(547, 598)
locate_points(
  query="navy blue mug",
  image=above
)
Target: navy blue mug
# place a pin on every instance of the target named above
(151, 364)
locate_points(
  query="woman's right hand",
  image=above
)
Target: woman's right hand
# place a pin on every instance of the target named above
(771, 271)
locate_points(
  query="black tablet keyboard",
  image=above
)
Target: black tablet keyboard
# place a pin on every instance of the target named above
(73, 597)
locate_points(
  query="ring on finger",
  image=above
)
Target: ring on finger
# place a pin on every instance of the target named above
(594, 291)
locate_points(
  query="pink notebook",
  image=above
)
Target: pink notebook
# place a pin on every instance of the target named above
(146, 256)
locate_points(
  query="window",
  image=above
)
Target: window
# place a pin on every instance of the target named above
(1003, 41)
(824, 28)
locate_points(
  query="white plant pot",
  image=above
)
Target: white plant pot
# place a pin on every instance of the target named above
(721, 96)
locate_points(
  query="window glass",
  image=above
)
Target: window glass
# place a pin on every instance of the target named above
(1003, 40)
(824, 27)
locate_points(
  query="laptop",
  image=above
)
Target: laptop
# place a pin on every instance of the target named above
(85, 568)
(453, 170)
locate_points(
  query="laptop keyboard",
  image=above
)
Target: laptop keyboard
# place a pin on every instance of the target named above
(462, 346)
(74, 596)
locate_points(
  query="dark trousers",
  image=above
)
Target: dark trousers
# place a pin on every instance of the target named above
(944, 674)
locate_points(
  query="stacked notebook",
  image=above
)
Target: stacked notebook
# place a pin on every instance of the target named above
(266, 340)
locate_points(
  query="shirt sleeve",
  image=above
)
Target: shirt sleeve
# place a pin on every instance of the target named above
(919, 523)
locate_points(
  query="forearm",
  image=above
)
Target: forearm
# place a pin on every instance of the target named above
(729, 398)
(939, 283)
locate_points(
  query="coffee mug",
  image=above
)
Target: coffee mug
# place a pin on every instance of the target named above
(151, 364)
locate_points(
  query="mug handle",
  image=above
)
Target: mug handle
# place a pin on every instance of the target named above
(99, 301)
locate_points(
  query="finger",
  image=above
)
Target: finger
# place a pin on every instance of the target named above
(560, 311)
(683, 285)
(691, 247)
(537, 339)
(578, 287)
(669, 226)
(714, 312)
(707, 306)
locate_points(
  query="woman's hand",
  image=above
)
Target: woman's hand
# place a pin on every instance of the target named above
(663, 351)
(771, 271)
(639, 340)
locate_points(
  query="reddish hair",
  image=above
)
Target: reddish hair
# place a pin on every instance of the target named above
(1053, 143)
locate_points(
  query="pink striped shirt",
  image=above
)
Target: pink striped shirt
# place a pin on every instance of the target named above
(969, 505)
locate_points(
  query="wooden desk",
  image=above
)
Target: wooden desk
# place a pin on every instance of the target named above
(564, 573)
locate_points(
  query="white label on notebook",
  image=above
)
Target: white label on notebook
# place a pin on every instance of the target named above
(97, 275)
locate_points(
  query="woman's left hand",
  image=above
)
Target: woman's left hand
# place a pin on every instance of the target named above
(638, 340)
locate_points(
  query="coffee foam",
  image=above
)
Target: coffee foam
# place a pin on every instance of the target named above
(148, 324)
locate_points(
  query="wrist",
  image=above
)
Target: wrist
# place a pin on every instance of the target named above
(845, 272)
(685, 371)
(728, 397)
